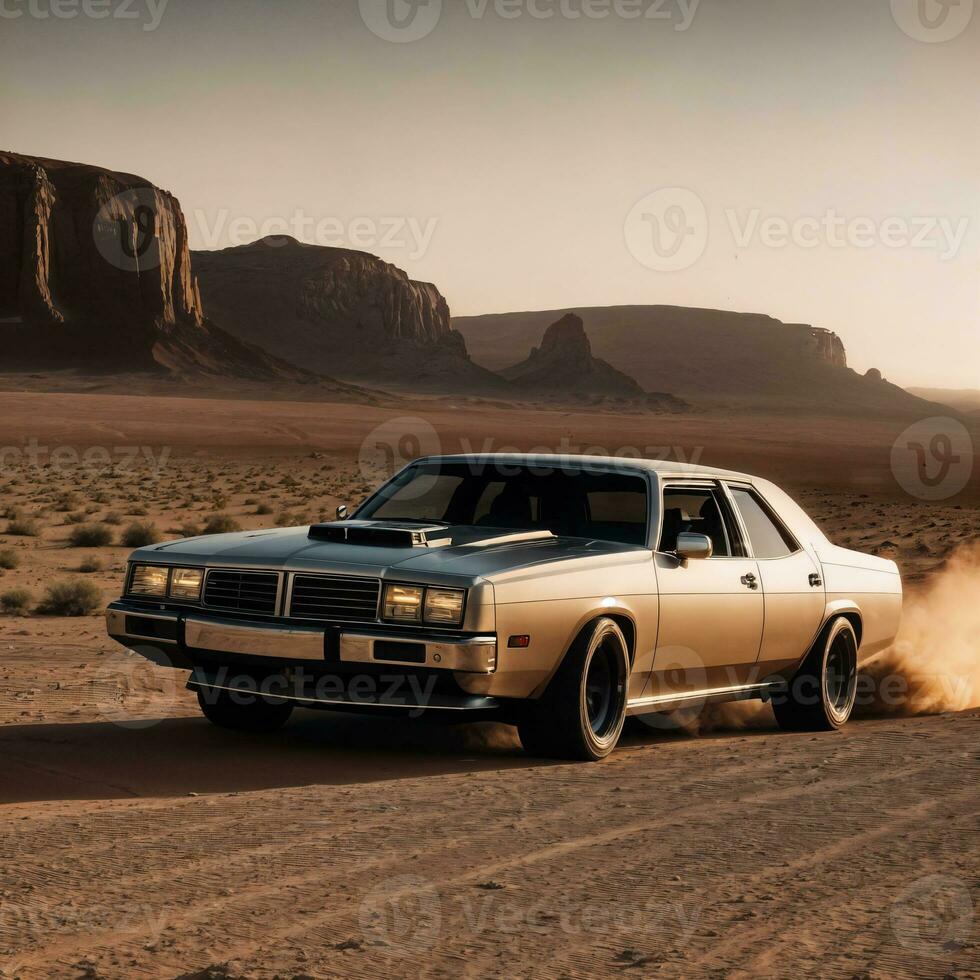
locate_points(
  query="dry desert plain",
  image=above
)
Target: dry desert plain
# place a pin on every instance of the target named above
(138, 841)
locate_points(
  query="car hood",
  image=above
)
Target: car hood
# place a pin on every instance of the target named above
(472, 554)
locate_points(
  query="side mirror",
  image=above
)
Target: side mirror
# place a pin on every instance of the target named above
(342, 512)
(693, 546)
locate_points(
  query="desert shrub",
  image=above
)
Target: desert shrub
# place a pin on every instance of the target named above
(70, 599)
(219, 500)
(15, 602)
(9, 559)
(287, 519)
(112, 518)
(185, 531)
(138, 511)
(90, 565)
(90, 536)
(65, 501)
(263, 509)
(23, 527)
(77, 518)
(140, 534)
(221, 524)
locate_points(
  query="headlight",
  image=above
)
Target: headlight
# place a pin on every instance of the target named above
(444, 606)
(149, 580)
(185, 583)
(403, 602)
(416, 603)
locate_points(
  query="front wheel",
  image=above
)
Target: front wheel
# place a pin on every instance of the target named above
(243, 712)
(581, 714)
(822, 694)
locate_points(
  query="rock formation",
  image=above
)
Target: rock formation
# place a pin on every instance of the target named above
(711, 358)
(341, 311)
(564, 366)
(95, 274)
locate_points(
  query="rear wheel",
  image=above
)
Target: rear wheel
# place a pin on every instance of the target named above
(581, 714)
(821, 696)
(243, 712)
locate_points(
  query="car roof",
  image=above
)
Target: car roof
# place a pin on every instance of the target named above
(663, 467)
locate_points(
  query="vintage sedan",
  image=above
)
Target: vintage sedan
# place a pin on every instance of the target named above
(558, 593)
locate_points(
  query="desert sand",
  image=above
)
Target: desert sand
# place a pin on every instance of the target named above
(138, 841)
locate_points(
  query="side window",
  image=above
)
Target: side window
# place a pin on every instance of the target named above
(769, 538)
(697, 510)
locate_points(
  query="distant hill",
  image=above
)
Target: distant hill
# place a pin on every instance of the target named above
(341, 312)
(707, 357)
(95, 275)
(966, 400)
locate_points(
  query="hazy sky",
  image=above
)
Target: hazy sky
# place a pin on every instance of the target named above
(821, 160)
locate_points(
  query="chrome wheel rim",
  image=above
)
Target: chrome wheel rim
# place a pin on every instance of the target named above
(601, 689)
(840, 674)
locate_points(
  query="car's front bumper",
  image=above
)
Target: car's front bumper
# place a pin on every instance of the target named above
(185, 638)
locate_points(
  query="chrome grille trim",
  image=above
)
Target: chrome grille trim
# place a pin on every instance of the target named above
(339, 598)
(242, 590)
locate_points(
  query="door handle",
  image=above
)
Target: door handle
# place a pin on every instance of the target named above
(750, 581)
(815, 579)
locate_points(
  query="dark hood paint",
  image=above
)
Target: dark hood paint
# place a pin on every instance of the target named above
(293, 549)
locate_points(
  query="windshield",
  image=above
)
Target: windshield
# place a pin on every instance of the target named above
(605, 506)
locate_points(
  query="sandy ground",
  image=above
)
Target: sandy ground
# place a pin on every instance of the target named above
(137, 840)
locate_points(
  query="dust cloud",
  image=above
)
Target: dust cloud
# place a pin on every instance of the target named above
(934, 664)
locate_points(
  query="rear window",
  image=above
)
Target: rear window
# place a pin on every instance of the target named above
(766, 533)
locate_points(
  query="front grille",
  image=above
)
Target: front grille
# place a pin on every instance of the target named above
(248, 592)
(334, 597)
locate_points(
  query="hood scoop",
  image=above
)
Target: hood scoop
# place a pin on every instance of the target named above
(383, 534)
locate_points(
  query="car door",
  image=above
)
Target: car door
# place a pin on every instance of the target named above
(711, 609)
(791, 579)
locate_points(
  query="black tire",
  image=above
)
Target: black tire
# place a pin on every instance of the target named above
(821, 696)
(244, 712)
(581, 714)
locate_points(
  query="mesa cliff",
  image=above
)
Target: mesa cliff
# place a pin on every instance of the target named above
(95, 274)
(340, 311)
(707, 357)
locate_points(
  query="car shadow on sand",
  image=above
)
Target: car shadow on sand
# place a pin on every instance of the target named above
(178, 756)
